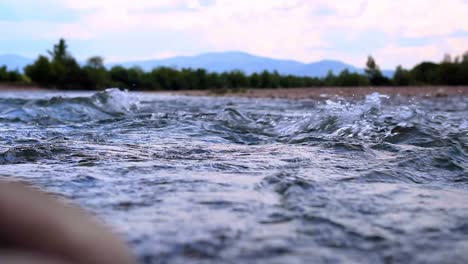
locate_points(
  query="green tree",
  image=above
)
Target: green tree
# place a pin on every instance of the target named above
(96, 62)
(15, 76)
(237, 79)
(448, 73)
(119, 76)
(265, 80)
(3, 73)
(59, 52)
(255, 80)
(374, 74)
(330, 79)
(463, 69)
(202, 79)
(11, 76)
(96, 74)
(275, 79)
(69, 74)
(62, 71)
(426, 73)
(41, 72)
(135, 76)
(465, 57)
(402, 77)
(215, 82)
(346, 78)
(372, 68)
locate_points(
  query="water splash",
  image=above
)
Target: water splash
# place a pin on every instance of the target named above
(59, 109)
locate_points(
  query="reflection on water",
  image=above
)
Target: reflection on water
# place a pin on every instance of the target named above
(211, 180)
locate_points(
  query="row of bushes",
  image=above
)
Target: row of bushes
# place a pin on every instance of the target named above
(60, 70)
(11, 76)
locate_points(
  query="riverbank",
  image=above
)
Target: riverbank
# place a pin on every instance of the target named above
(337, 92)
(304, 93)
(19, 87)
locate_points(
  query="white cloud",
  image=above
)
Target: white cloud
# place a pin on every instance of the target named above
(33, 30)
(409, 55)
(128, 5)
(293, 29)
(406, 55)
(457, 46)
(412, 18)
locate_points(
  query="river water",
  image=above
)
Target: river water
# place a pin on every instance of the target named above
(232, 180)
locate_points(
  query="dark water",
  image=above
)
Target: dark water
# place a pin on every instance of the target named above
(216, 180)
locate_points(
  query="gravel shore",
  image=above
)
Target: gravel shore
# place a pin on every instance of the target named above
(337, 92)
(307, 93)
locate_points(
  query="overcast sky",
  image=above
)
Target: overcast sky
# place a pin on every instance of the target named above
(393, 31)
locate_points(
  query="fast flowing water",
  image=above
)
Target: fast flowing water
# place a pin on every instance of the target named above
(230, 180)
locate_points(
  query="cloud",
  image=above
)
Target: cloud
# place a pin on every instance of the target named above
(407, 55)
(296, 29)
(457, 46)
(395, 54)
(412, 18)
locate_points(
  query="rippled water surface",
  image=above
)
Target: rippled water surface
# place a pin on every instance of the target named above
(229, 180)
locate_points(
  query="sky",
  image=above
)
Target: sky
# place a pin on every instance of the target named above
(395, 32)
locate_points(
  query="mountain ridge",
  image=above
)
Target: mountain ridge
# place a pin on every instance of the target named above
(248, 63)
(220, 62)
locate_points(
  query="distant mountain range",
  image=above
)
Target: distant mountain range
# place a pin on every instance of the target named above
(222, 61)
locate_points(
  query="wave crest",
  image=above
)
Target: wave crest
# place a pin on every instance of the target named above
(107, 104)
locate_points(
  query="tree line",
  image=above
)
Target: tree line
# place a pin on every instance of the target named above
(60, 70)
(13, 76)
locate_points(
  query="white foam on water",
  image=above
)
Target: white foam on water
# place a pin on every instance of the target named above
(117, 101)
